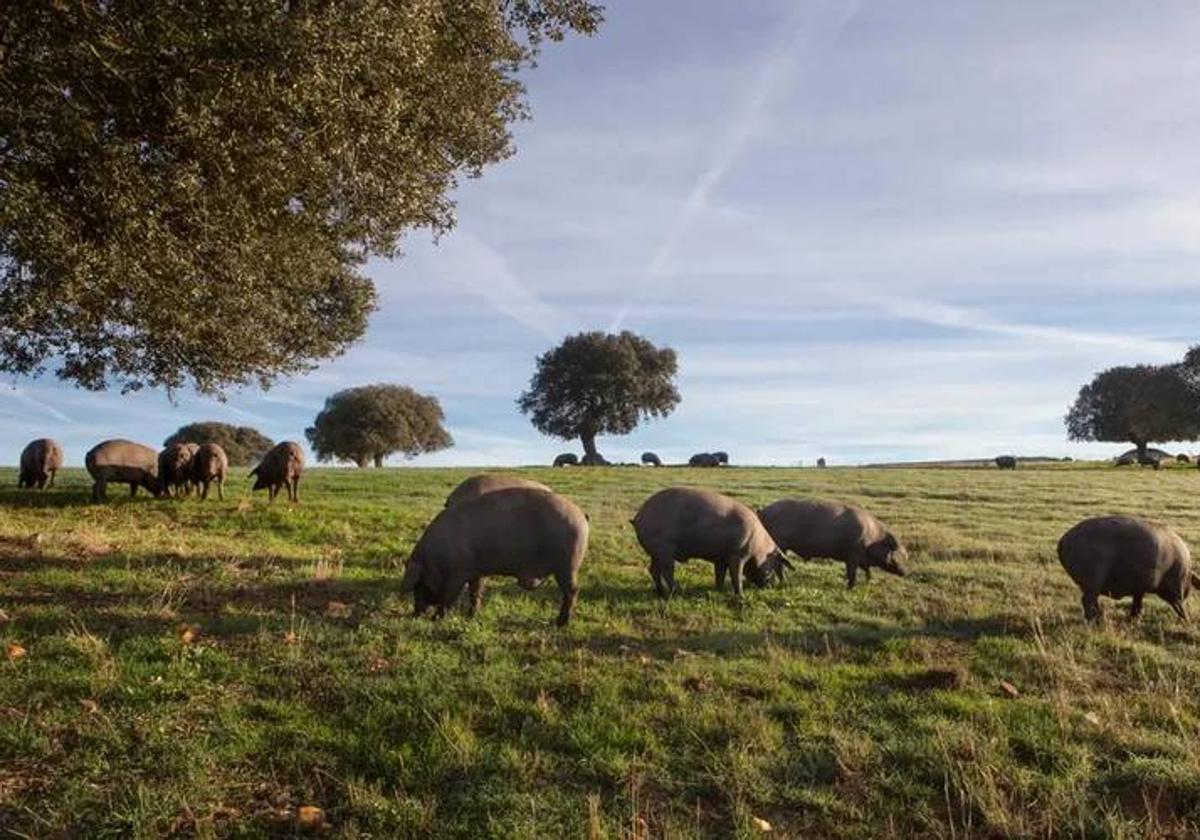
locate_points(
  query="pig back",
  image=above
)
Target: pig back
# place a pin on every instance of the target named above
(515, 531)
(121, 460)
(813, 528)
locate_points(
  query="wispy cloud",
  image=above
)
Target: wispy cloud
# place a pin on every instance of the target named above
(479, 269)
(779, 65)
(752, 118)
(963, 318)
(23, 397)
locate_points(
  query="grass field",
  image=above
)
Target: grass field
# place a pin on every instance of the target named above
(213, 668)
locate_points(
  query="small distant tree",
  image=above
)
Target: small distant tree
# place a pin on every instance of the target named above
(370, 422)
(1142, 404)
(242, 444)
(598, 383)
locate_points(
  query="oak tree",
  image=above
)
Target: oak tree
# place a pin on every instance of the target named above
(243, 445)
(598, 383)
(368, 423)
(189, 189)
(1139, 404)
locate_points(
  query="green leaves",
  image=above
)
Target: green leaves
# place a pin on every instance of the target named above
(188, 191)
(599, 383)
(371, 422)
(1140, 404)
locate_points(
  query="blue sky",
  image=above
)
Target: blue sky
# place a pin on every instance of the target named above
(872, 230)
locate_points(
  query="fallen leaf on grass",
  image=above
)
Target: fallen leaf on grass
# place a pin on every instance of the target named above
(761, 824)
(378, 664)
(290, 638)
(188, 633)
(1092, 718)
(1009, 690)
(310, 816)
(336, 609)
(244, 505)
(15, 652)
(90, 706)
(4, 617)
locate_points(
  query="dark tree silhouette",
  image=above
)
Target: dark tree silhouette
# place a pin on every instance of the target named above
(189, 190)
(598, 383)
(368, 423)
(243, 445)
(1139, 404)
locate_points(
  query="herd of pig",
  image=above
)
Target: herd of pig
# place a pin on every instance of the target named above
(503, 525)
(507, 526)
(175, 471)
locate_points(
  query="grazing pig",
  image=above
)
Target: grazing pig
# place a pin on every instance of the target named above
(175, 468)
(122, 462)
(703, 459)
(279, 469)
(679, 523)
(517, 532)
(1006, 462)
(722, 458)
(477, 485)
(567, 459)
(651, 459)
(209, 464)
(1119, 555)
(811, 528)
(40, 460)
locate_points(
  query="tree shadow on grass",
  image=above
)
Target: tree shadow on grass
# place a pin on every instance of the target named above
(839, 636)
(231, 607)
(66, 497)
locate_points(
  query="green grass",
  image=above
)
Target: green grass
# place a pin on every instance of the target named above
(828, 713)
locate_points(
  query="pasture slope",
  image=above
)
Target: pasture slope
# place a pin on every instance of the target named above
(212, 668)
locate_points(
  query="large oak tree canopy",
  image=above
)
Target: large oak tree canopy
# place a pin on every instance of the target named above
(243, 445)
(370, 422)
(598, 383)
(1140, 404)
(189, 188)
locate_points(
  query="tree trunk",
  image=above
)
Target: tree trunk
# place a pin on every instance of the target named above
(378, 461)
(361, 462)
(1141, 449)
(588, 439)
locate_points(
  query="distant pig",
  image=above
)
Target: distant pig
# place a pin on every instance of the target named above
(679, 523)
(1119, 555)
(517, 532)
(811, 528)
(477, 485)
(280, 469)
(122, 462)
(209, 464)
(175, 468)
(40, 460)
